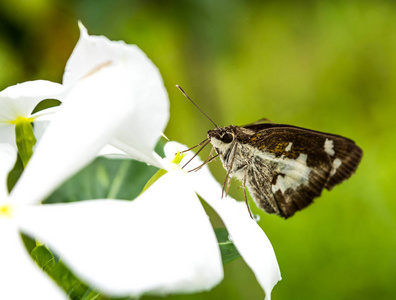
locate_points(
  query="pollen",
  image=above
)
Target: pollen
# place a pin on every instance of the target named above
(5, 211)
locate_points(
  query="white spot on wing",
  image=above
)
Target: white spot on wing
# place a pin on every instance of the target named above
(288, 148)
(329, 147)
(336, 164)
(295, 172)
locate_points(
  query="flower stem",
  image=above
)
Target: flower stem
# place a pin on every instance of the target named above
(25, 139)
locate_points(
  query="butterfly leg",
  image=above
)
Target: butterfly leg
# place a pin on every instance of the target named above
(228, 186)
(228, 178)
(200, 144)
(205, 143)
(244, 194)
(208, 160)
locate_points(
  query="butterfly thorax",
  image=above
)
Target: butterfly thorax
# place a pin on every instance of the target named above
(231, 144)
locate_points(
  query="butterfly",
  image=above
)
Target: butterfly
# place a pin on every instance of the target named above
(284, 167)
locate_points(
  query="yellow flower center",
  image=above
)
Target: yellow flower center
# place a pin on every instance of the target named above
(21, 120)
(6, 211)
(178, 158)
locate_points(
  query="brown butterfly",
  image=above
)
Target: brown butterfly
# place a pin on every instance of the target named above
(284, 167)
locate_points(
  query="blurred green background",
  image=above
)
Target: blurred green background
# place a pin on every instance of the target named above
(326, 65)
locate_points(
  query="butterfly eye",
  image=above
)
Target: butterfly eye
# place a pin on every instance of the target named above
(227, 138)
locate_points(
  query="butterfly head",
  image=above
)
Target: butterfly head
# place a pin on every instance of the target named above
(222, 137)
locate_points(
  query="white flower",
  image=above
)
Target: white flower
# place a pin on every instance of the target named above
(109, 85)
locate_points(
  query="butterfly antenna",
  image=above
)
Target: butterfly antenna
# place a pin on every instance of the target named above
(184, 93)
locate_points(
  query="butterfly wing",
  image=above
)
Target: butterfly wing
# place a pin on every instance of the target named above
(293, 165)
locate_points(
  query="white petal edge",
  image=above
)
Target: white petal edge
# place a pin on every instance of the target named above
(89, 53)
(20, 277)
(110, 151)
(151, 157)
(160, 243)
(144, 154)
(247, 236)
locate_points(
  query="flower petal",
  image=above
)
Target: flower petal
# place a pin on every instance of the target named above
(140, 152)
(7, 134)
(150, 157)
(42, 119)
(140, 133)
(19, 100)
(246, 234)
(160, 243)
(20, 277)
(7, 161)
(110, 151)
(91, 52)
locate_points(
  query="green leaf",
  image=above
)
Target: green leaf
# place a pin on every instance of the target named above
(68, 281)
(105, 179)
(46, 103)
(91, 295)
(29, 242)
(228, 251)
(14, 174)
(44, 258)
(75, 289)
